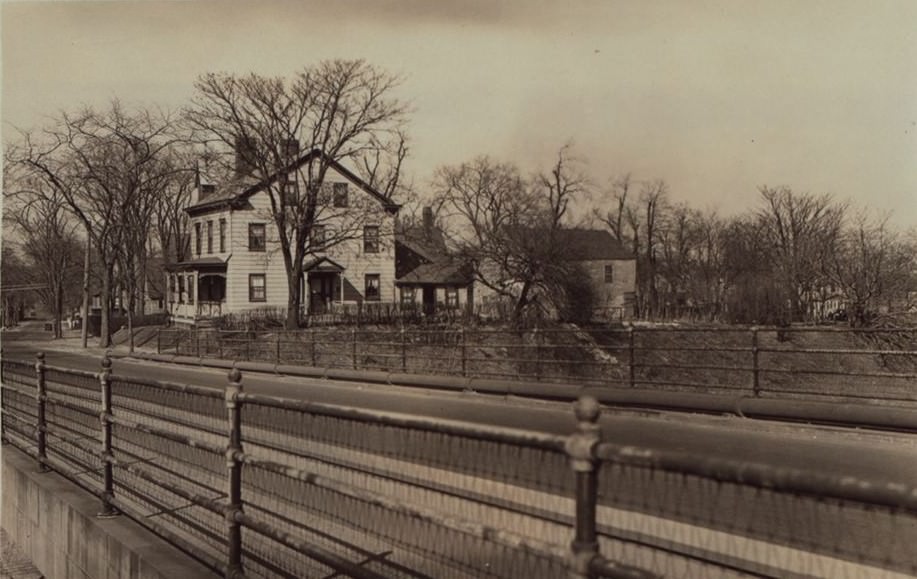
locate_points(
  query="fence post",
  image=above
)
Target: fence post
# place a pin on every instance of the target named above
(537, 335)
(159, 341)
(234, 468)
(312, 347)
(197, 341)
(108, 491)
(41, 396)
(464, 352)
(755, 370)
(630, 360)
(580, 448)
(353, 334)
(219, 344)
(277, 358)
(404, 350)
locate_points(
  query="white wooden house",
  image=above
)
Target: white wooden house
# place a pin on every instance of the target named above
(237, 265)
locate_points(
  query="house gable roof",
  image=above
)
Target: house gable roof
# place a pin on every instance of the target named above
(592, 244)
(437, 266)
(237, 192)
(322, 264)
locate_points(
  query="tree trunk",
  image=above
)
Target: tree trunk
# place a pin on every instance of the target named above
(105, 329)
(59, 310)
(84, 311)
(130, 328)
(294, 298)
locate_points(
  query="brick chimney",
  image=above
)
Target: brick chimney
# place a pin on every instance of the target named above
(290, 150)
(245, 150)
(428, 222)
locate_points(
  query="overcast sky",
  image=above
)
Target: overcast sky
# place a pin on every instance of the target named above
(717, 98)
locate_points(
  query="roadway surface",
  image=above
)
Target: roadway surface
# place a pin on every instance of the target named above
(867, 455)
(746, 525)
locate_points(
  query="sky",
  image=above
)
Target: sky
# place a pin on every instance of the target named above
(716, 98)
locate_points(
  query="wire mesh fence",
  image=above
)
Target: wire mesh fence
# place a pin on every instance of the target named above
(872, 365)
(258, 486)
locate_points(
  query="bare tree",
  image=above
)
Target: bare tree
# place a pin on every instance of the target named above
(340, 110)
(653, 205)
(103, 164)
(871, 263)
(15, 274)
(512, 227)
(802, 231)
(174, 195)
(621, 218)
(48, 241)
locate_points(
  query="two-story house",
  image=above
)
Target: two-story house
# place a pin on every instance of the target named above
(237, 264)
(611, 267)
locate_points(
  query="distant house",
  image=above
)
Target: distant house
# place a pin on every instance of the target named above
(237, 265)
(610, 266)
(426, 274)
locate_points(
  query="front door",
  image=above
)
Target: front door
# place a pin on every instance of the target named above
(321, 292)
(429, 300)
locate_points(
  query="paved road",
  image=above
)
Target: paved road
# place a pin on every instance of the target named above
(828, 450)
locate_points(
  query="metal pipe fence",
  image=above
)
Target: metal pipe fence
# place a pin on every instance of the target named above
(260, 486)
(825, 363)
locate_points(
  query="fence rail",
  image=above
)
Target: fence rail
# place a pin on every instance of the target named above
(829, 363)
(260, 486)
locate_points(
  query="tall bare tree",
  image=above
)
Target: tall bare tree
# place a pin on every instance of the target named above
(342, 110)
(510, 227)
(871, 263)
(802, 229)
(103, 163)
(619, 212)
(48, 240)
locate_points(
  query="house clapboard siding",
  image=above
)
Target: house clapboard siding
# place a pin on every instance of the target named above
(240, 261)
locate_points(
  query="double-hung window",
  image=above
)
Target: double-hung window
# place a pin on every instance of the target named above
(257, 290)
(256, 237)
(371, 287)
(290, 191)
(222, 235)
(197, 237)
(452, 298)
(210, 237)
(371, 239)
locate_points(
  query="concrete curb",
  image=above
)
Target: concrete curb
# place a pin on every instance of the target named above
(744, 405)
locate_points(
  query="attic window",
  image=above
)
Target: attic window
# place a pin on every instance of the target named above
(208, 189)
(340, 195)
(609, 274)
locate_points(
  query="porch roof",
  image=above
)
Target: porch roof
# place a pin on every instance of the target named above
(211, 264)
(443, 273)
(322, 265)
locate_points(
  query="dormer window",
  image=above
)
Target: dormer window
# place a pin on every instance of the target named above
(207, 189)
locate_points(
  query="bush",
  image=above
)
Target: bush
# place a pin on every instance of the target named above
(265, 318)
(574, 296)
